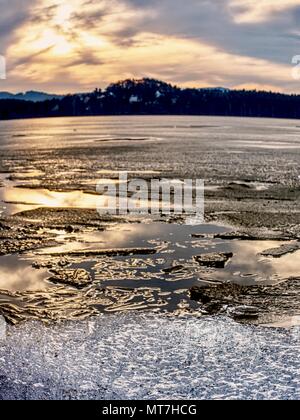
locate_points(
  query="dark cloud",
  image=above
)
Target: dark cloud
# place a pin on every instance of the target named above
(208, 21)
(212, 22)
(13, 14)
(87, 58)
(27, 59)
(89, 19)
(276, 39)
(44, 15)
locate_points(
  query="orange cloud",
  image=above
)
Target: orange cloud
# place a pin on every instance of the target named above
(83, 44)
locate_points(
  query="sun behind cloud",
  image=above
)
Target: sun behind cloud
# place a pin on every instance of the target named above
(85, 44)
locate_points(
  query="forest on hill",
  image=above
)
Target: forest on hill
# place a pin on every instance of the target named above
(153, 97)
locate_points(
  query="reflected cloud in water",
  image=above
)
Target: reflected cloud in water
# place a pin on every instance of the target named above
(175, 246)
(17, 274)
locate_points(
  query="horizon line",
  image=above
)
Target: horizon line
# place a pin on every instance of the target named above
(174, 85)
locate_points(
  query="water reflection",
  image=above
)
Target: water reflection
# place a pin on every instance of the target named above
(157, 282)
(14, 199)
(17, 274)
(176, 247)
(20, 199)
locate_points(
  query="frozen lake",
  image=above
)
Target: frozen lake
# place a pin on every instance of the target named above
(49, 171)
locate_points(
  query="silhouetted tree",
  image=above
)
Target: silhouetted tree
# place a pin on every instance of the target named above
(153, 97)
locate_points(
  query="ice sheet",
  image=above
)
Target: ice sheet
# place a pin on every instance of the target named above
(144, 356)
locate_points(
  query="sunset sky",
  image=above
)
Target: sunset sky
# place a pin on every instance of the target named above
(77, 45)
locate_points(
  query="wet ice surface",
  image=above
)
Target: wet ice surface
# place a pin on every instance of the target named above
(158, 282)
(21, 199)
(138, 356)
(176, 246)
(64, 150)
(16, 198)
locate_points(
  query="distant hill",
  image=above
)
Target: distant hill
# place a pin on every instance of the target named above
(151, 97)
(29, 96)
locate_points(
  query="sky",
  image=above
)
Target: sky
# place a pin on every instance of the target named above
(78, 45)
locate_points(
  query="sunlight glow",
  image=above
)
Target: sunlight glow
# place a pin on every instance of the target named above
(87, 44)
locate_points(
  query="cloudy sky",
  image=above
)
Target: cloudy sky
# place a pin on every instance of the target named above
(77, 45)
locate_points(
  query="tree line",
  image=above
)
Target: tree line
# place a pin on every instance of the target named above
(153, 97)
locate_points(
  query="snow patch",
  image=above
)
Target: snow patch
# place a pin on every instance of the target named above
(133, 99)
